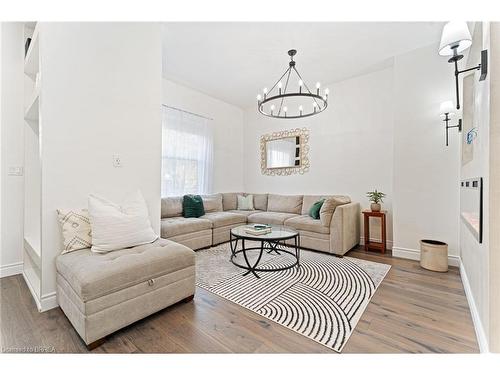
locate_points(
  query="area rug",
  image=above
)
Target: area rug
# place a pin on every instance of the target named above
(322, 300)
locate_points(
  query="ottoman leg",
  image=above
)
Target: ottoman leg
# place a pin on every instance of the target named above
(96, 344)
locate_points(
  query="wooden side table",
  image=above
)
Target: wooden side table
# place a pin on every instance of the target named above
(374, 244)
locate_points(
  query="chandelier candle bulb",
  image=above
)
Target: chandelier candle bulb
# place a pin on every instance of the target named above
(265, 92)
(285, 109)
(272, 109)
(300, 85)
(259, 98)
(327, 91)
(300, 110)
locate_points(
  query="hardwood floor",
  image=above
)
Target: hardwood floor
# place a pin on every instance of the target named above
(413, 310)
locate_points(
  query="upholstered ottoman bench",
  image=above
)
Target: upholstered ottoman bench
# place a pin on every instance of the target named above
(101, 293)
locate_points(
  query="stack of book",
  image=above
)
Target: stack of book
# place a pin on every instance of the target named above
(258, 229)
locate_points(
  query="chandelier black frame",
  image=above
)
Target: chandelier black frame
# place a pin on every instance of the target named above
(319, 102)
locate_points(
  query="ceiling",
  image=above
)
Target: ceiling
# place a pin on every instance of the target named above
(235, 61)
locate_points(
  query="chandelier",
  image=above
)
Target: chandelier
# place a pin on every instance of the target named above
(282, 102)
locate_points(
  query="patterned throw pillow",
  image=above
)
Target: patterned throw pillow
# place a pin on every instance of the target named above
(75, 228)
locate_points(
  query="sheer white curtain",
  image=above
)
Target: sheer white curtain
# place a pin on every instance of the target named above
(187, 153)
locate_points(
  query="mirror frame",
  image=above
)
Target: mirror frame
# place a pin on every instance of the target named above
(303, 134)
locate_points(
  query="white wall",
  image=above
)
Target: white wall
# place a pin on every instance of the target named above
(494, 176)
(12, 146)
(228, 132)
(426, 172)
(351, 149)
(475, 256)
(382, 130)
(101, 95)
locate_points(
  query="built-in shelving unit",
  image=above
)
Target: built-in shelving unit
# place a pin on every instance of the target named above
(32, 268)
(32, 59)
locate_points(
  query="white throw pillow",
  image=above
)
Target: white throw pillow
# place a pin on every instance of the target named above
(245, 202)
(116, 227)
(75, 228)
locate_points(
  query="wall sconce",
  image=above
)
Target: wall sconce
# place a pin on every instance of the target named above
(454, 39)
(446, 110)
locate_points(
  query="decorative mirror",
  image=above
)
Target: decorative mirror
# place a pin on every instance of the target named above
(285, 152)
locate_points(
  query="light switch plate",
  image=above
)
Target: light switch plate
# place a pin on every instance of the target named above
(117, 161)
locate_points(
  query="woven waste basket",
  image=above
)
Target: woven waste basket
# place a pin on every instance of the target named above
(434, 255)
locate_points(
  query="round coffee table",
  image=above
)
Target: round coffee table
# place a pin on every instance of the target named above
(269, 242)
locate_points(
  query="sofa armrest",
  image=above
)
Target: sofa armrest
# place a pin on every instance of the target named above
(344, 228)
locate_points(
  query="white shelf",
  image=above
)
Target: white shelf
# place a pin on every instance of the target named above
(31, 113)
(32, 277)
(33, 251)
(31, 62)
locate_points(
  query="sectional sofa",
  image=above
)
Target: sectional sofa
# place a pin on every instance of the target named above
(336, 234)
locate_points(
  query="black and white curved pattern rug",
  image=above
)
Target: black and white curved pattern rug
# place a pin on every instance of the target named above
(322, 300)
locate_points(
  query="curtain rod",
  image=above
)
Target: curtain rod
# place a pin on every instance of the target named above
(191, 113)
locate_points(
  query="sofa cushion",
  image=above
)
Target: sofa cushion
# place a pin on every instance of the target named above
(175, 226)
(276, 218)
(329, 206)
(309, 200)
(212, 202)
(230, 201)
(171, 207)
(93, 275)
(222, 219)
(284, 203)
(307, 223)
(260, 201)
(244, 212)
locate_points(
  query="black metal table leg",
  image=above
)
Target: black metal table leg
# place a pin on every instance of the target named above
(273, 248)
(235, 246)
(251, 269)
(297, 249)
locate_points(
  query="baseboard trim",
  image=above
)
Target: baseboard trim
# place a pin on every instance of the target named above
(478, 325)
(388, 242)
(11, 269)
(48, 302)
(32, 291)
(414, 254)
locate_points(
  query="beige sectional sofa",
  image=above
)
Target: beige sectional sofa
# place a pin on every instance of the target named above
(335, 234)
(101, 293)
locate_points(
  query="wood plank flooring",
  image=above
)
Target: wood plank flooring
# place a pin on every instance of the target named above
(413, 311)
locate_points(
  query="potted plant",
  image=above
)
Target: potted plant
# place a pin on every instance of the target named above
(376, 197)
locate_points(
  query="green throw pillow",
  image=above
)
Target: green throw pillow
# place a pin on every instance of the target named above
(192, 206)
(315, 208)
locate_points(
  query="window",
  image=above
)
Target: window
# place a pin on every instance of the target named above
(187, 153)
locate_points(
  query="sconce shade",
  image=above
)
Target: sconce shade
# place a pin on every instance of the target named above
(446, 107)
(455, 34)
